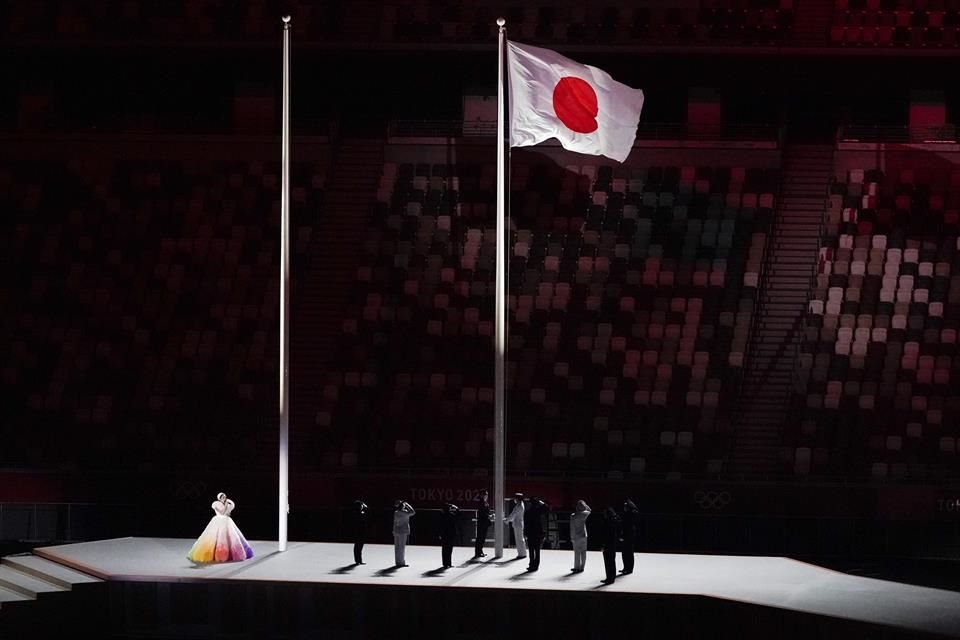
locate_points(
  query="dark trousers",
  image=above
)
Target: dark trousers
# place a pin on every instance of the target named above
(627, 550)
(534, 543)
(610, 563)
(358, 552)
(481, 538)
(446, 550)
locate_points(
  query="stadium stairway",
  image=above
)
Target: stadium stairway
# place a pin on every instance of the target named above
(789, 267)
(336, 248)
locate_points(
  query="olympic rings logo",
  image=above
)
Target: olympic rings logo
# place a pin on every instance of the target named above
(190, 490)
(715, 500)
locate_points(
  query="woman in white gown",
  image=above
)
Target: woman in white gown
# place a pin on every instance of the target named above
(222, 540)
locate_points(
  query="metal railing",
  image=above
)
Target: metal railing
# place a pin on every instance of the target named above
(43, 520)
(428, 129)
(811, 288)
(645, 131)
(765, 264)
(943, 134)
(724, 132)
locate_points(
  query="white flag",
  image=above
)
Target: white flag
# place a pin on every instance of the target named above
(579, 105)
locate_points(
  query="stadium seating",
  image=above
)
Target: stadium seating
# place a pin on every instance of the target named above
(876, 392)
(631, 296)
(147, 294)
(707, 21)
(202, 20)
(696, 22)
(855, 23)
(890, 23)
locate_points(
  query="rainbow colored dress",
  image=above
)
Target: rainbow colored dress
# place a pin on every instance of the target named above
(222, 540)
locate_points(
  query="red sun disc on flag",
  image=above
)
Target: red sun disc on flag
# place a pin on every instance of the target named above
(575, 103)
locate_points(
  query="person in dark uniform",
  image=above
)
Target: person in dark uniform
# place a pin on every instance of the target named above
(628, 535)
(483, 523)
(448, 532)
(357, 523)
(609, 533)
(533, 528)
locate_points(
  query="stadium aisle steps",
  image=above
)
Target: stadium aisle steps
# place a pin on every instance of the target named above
(341, 230)
(789, 266)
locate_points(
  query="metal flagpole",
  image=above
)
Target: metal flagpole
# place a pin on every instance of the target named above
(284, 503)
(500, 330)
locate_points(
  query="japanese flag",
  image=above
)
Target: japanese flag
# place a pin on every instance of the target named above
(579, 105)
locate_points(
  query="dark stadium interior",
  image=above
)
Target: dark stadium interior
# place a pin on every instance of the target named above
(750, 327)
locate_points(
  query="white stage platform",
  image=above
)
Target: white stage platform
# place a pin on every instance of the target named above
(763, 581)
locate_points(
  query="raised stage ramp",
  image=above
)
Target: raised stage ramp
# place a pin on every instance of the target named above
(754, 596)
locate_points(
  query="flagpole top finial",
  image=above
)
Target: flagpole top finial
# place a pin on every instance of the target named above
(501, 22)
(286, 19)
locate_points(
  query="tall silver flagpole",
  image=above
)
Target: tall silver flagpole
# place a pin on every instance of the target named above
(500, 331)
(284, 506)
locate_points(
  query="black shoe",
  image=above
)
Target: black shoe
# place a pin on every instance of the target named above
(483, 555)
(607, 581)
(626, 572)
(361, 562)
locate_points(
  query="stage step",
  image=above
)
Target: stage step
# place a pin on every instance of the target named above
(25, 584)
(47, 570)
(8, 596)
